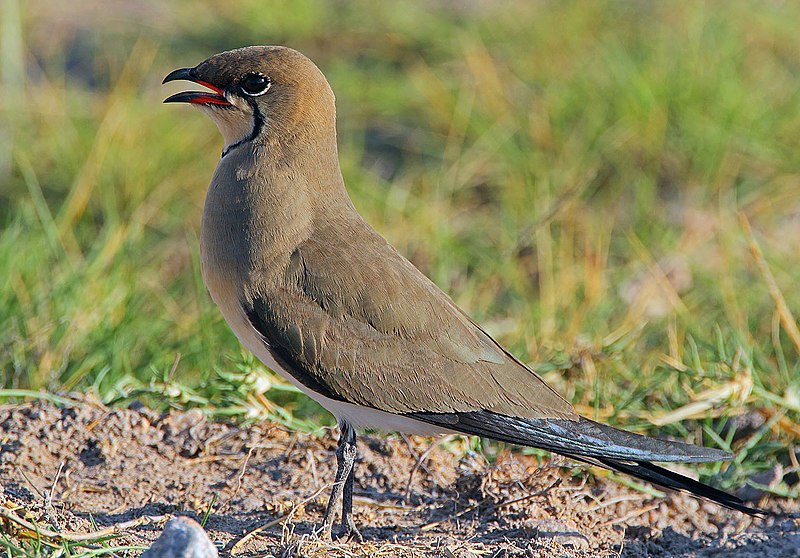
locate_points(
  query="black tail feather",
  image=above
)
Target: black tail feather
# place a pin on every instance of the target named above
(675, 481)
(598, 444)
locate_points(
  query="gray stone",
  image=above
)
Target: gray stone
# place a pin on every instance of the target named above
(182, 538)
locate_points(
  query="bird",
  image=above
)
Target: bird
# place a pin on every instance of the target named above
(320, 297)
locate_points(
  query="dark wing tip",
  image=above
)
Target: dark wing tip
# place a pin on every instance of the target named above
(675, 481)
(575, 437)
(599, 444)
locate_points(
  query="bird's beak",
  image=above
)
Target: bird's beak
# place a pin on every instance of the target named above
(195, 97)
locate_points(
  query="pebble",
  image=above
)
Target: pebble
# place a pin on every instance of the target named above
(182, 538)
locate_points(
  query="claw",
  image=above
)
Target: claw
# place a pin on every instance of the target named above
(350, 532)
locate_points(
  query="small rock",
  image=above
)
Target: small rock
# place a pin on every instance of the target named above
(182, 538)
(557, 531)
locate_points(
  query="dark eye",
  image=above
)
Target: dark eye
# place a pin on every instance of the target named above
(254, 84)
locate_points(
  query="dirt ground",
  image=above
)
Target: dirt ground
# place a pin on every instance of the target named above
(139, 468)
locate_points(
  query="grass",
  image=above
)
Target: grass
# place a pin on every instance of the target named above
(27, 538)
(610, 188)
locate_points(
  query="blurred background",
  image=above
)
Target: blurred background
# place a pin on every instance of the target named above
(611, 188)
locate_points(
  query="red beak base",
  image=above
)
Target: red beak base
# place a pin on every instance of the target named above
(215, 97)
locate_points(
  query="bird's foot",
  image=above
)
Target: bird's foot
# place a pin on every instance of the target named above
(349, 532)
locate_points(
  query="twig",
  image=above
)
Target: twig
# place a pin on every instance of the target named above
(420, 460)
(429, 526)
(604, 504)
(92, 425)
(210, 458)
(290, 448)
(30, 482)
(634, 513)
(76, 537)
(240, 476)
(285, 517)
(313, 464)
(49, 503)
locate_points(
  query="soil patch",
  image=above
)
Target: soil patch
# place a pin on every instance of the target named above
(66, 467)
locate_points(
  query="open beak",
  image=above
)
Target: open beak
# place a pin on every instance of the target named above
(213, 97)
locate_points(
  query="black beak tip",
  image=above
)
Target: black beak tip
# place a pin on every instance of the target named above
(186, 74)
(174, 99)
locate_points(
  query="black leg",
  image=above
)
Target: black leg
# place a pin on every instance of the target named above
(349, 529)
(343, 484)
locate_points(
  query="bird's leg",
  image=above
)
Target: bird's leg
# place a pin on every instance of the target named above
(349, 529)
(343, 484)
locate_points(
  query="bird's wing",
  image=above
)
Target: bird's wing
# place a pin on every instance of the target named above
(375, 332)
(366, 327)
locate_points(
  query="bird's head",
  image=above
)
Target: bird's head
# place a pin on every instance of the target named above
(264, 94)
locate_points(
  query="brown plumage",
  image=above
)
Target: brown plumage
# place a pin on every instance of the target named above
(323, 299)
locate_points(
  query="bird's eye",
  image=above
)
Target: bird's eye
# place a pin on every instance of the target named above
(254, 84)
